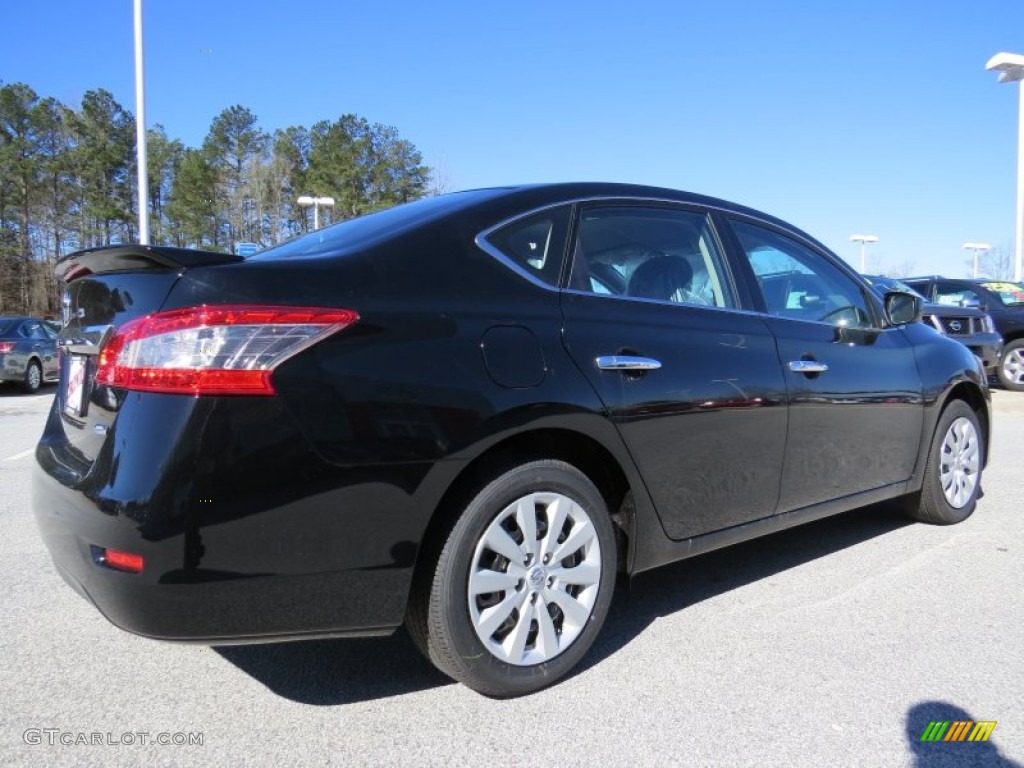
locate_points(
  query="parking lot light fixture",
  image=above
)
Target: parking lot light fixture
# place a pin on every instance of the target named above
(1010, 67)
(306, 201)
(978, 248)
(863, 240)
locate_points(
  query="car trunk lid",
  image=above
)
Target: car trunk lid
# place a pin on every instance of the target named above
(104, 289)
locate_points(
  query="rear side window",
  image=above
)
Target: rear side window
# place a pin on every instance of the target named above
(647, 252)
(533, 245)
(32, 330)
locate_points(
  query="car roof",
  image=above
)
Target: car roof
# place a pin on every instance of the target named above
(549, 194)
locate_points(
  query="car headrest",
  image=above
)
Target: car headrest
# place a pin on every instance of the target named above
(660, 278)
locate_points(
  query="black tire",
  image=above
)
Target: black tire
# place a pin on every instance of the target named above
(1011, 366)
(440, 616)
(33, 377)
(959, 424)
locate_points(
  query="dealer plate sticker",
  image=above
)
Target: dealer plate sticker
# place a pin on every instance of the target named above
(76, 386)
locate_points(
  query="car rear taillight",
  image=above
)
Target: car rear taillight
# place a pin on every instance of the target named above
(121, 561)
(6, 346)
(213, 350)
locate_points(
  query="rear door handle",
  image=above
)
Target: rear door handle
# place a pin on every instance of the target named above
(807, 366)
(627, 363)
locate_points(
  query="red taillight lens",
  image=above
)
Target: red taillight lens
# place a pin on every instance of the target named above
(121, 561)
(6, 346)
(213, 350)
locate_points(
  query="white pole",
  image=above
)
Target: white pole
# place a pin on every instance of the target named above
(1018, 262)
(316, 214)
(140, 130)
(975, 262)
(863, 260)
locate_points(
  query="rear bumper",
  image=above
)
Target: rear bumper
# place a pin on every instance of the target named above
(329, 552)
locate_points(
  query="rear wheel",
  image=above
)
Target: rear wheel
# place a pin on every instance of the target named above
(33, 377)
(522, 584)
(952, 475)
(1011, 366)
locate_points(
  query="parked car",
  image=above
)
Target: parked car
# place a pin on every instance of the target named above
(1003, 300)
(468, 413)
(28, 352)
(973, 328)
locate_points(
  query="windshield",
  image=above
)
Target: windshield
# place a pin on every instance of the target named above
(1011, 294)
(882, 285)
(364, 230)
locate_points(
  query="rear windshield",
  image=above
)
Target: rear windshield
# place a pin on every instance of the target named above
(365, 230)
(8, 326)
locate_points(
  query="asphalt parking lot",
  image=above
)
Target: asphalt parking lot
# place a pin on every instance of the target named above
(831, 644)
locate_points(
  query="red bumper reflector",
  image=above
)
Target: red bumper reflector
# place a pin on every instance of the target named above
(121, 561)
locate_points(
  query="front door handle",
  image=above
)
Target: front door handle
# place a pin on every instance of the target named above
(627, 363)
(807, 366)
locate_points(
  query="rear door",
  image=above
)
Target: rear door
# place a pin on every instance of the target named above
(693, 385)
(855, 403)
(44, 345)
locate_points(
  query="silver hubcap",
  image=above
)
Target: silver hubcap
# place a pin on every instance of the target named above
(33, 376)
(961, 460)
(1013, 366)
(534, 578)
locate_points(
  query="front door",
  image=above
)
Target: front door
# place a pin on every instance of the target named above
(855, 402)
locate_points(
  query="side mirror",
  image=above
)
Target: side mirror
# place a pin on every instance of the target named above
(902, 308)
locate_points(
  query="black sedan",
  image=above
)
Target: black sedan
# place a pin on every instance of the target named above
(28, 352)
(972, 327)
(469, 413)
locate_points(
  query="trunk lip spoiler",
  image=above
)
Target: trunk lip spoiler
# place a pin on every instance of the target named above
(135, 256)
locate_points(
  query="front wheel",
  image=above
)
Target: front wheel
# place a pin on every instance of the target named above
(952, 474)
(1011, 366)
(522, 584)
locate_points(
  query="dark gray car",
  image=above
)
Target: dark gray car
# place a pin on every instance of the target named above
(28, 352)
(972, 327)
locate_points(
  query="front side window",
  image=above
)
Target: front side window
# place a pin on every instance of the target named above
(799, 283)
(661, 254)
(956, 295)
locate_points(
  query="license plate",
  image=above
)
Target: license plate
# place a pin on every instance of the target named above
(75, 387)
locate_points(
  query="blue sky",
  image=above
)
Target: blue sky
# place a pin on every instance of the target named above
(870, 117)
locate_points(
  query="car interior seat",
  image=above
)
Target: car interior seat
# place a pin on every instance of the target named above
(666, 278)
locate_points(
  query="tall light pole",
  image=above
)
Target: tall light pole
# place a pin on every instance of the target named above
(863, 240)
(1010, 67)
(977, 248)
(316, 202)
(140, 130)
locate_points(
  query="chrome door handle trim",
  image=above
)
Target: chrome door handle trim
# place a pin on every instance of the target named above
(807, 366)
(627, 363)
